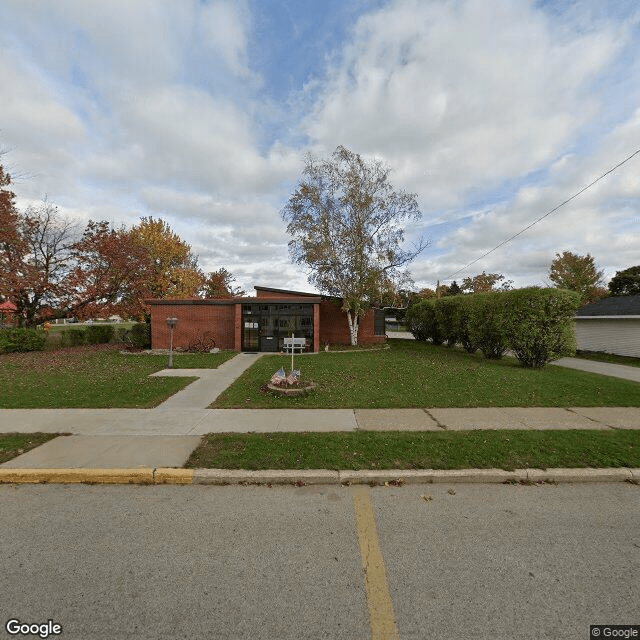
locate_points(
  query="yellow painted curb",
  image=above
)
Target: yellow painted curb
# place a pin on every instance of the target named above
(173, 476)
(89, 476)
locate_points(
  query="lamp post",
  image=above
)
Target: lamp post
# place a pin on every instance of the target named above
(172, 322)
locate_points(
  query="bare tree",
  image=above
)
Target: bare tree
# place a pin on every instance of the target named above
(37, 253)
(345, 220)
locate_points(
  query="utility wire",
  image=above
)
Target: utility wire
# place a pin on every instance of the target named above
(515, 235)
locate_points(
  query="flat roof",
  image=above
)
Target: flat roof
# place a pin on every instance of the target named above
(230, 301)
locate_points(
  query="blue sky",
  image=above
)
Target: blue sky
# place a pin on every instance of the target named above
(491, 111)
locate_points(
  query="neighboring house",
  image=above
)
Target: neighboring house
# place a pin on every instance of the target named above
(611, 325)
(261, 322)
(8, 314)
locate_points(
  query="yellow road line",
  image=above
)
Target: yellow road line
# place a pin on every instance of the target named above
(381, 615)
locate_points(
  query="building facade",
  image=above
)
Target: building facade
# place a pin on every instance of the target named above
(611, 325)
(261, 322)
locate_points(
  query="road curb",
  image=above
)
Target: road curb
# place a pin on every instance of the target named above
(314, 476)
(87, 476)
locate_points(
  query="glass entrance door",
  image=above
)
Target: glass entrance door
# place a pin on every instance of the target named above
(265, 326)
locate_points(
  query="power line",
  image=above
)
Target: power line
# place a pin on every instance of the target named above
(515, 235)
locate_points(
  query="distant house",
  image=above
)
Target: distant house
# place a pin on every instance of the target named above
(8, 314)
(261, 322)
(611, 325)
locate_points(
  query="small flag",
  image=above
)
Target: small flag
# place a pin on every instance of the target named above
(293, 377)
(278, 376)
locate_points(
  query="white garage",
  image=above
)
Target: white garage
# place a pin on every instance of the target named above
(611, 325)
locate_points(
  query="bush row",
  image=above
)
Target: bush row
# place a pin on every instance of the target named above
(138, 336)
(536, 324)
(20, 340)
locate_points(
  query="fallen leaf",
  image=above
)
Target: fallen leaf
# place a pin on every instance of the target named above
(451, 492)
(427, 498)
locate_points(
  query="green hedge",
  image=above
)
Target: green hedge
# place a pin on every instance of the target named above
(20, 340)
(421, 321)
(73, 337)
(539, 324)
(487, 324)
(100, 333)
(536, 324)
(140, 335)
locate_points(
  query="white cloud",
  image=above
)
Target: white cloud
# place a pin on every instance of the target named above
(460, 95)
(493, 111)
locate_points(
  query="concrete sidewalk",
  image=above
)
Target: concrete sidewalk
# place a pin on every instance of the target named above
(166, 435)
(194, 422)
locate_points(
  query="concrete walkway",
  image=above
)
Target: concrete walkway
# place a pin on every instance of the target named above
(166, 435)
(602, 368)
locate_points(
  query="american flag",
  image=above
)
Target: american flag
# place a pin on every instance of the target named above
(278, 376)
(294, 376)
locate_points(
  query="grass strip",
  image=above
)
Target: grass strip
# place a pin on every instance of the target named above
(416, 374)
(611, 358)
(15, 444)
(504, 449)
(93, 377)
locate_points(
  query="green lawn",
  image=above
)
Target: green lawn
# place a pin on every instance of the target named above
(419, 450)
(93, 377)
(417, 374)
(15, 444)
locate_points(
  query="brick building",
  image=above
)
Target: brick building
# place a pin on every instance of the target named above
(261, 322)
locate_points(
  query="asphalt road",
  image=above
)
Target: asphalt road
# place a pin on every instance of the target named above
(461, 561)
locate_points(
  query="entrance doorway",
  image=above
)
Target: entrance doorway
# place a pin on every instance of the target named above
(265, 326)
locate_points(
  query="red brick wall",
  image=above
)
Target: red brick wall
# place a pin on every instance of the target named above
(334, 327)
(193, 321)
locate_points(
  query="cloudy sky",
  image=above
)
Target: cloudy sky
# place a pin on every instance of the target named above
(200, 112)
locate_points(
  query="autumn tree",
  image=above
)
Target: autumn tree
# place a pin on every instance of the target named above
(10, 240)
(346, 220)
(219, 284)
(109, 274)
(626, 282)
(485, 282)
(116, 270)
(173, 270)
(577, 273)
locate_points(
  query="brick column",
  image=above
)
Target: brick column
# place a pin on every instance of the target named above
(238, 328)
(316, 327)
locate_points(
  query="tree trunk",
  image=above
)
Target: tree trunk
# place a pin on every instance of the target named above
(354, 322)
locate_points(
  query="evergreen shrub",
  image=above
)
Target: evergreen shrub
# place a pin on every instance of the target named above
(16, 339)
(99, 333)
(141, 335)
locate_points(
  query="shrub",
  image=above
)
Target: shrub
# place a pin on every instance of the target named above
(422, 322)
(140, 335)
(415, 321)
(487, 324)
(73, 337)
(20, 340)
(463, 310)
(99, 333)
(539, 324)
(446, 320)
